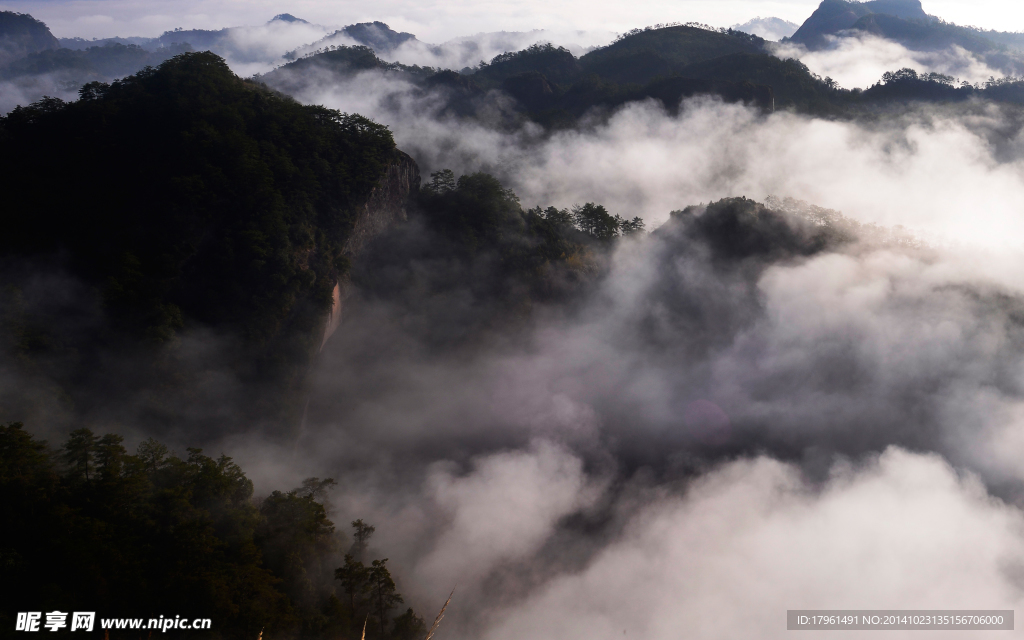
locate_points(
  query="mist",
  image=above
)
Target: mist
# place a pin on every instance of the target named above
(699, 434)
(858, 61)
(700, 440)
(641, 161)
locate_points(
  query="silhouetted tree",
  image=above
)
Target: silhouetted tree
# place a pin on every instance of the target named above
(354, 578)
(595, 220)
(408, 626)
(383, 597)
(80, 453)
(363, 533)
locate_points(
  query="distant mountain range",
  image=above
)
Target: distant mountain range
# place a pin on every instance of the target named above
(553, 84)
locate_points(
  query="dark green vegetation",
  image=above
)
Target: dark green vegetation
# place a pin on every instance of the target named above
(668, 64)
(21, 34)
(90, 527)
(188, 200)
(472, 260)
(36, 63)
(78, 67)
(643, 54)
(737, 229)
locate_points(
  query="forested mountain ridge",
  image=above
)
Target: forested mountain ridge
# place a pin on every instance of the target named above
(212, 203)
(76, 67)
(21, 34)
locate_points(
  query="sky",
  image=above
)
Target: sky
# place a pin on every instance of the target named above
(441, 21)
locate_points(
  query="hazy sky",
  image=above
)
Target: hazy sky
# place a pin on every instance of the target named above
(439, 21)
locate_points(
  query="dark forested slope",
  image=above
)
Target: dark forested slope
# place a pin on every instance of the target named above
(91, 527)
(21, 34)
(186, 198)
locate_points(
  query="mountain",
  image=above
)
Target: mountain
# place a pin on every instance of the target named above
(75, 67)
(644, 54)
(21, 35)
(833, 16)
(924, 36)
(82, 43)
(377, 35)
(189, 200)
(287, 17)
(768, 28)
(905, 22)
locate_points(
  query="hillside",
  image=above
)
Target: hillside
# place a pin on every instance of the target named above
(644, 54)
(190, 200)
(77, 67)
(21, 34)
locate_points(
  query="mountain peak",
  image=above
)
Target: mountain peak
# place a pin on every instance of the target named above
(21, 34)
(377, 35)
(833, 16)
(287, 17)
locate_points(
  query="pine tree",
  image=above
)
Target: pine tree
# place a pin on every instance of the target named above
(383, 596)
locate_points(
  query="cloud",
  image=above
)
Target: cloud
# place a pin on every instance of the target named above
(503, 511)
(752, 539)
(699, 443)
(858, 61)
(911, 169)
(468, 51)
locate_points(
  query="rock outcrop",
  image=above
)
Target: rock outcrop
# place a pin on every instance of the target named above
(386, 206)
(833, 16)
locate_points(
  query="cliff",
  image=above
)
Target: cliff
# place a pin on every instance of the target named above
(386, 206)
(833, 16)
(387, 203)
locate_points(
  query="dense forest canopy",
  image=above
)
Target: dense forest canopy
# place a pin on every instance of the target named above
(91, 527)
(191, 198)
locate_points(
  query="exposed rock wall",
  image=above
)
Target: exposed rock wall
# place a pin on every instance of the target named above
(386, 206)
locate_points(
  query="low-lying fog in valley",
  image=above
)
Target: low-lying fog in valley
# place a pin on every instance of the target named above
(698, 441)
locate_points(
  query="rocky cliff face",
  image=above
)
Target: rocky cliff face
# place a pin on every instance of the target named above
(833, 16)
(386, 206)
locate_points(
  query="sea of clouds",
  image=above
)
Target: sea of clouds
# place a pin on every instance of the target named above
(698, 446)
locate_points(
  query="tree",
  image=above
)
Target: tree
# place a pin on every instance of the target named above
(316, 488)
(629, 227)
(80, 453)
(152, 454)
(354, 579)
(408, 626)
(561, 218)
(110, 454)
(441, 181)
(595, 220)
(362, 537)
(383, 597)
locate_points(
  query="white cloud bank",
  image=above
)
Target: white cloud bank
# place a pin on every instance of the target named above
(752, 539)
